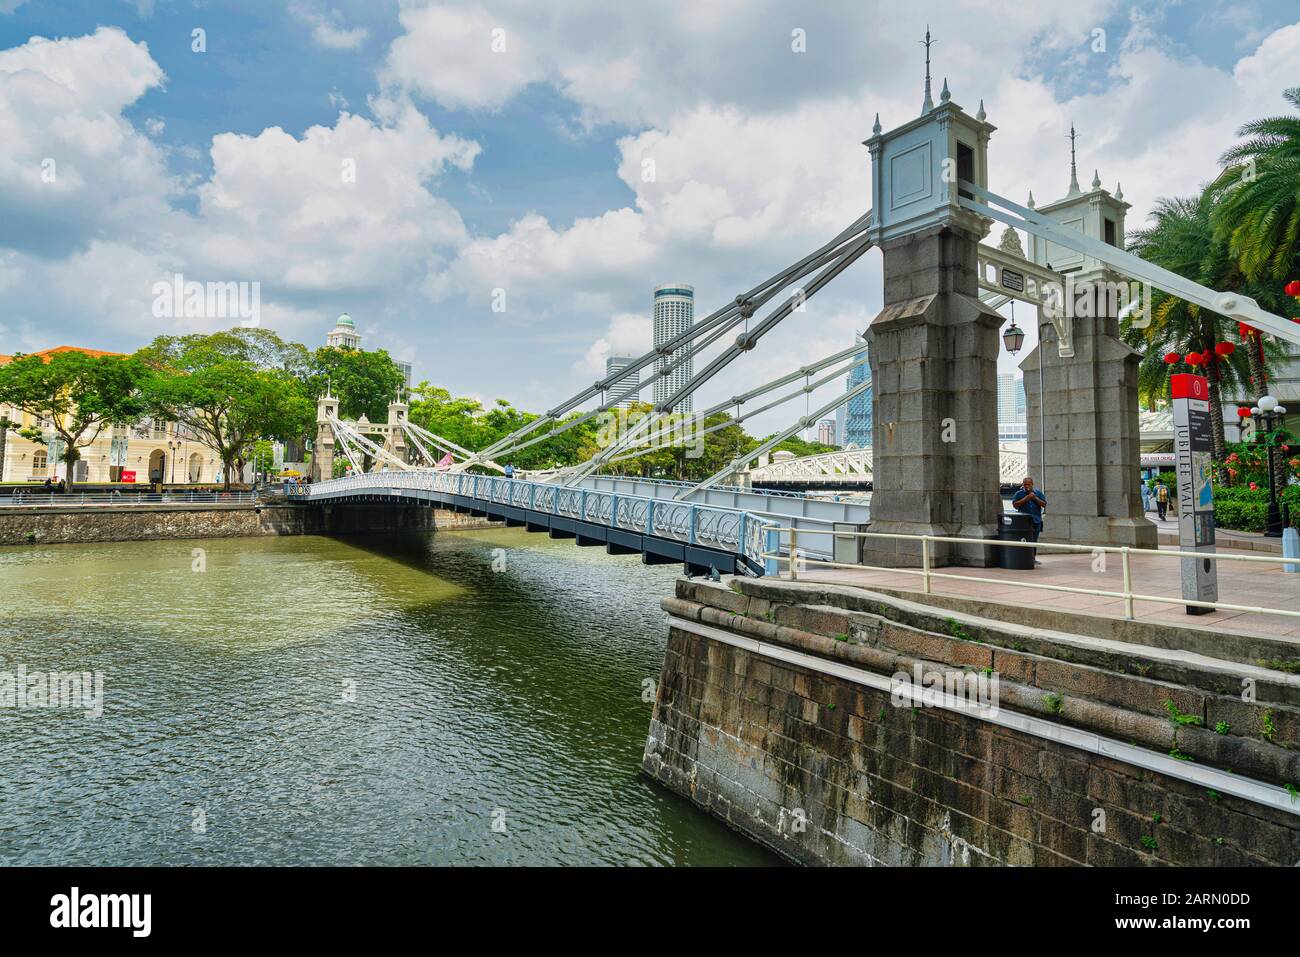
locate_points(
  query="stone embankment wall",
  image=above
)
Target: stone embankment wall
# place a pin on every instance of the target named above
(775, 713)
(122, 523)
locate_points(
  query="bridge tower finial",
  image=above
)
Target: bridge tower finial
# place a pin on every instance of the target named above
(928, 105)
(1074, 169)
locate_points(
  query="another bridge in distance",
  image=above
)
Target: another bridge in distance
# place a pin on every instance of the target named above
(851, 470)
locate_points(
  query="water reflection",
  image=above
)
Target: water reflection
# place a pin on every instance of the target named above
(388, 700)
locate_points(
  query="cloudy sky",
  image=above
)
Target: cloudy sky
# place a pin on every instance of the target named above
(401, 161)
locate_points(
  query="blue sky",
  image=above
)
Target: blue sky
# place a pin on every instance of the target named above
(521, 168)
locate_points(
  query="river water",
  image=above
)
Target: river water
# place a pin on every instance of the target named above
(459, 697)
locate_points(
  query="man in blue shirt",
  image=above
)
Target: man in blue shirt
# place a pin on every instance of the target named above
(1032, 502)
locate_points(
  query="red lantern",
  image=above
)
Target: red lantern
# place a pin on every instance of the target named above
(1225, 348)
(1243, 412)
(1172, 357)
(1293, 287)
(1195, 359)
(1244, 330)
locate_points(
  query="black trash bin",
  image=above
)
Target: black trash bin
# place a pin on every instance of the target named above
(1016, 527)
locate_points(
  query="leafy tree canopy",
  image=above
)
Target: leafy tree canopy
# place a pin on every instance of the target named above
(363, 382)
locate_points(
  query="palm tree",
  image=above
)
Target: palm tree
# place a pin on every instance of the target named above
(1181, 239)
(1257, 196)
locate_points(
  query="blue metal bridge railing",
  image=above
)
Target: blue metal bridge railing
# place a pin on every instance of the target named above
(661, 529)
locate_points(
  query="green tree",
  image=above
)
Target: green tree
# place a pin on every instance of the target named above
(263, 457)
(225, 395)
(364, 382)
(801, 447)
(467, 423)
(77, 394)
(1258, 196)
(1181, 239)
(259, 348)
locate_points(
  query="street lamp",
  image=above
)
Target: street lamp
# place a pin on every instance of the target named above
(1268, 414)
(1014, 337)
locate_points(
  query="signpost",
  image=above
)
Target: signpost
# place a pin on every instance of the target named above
(1193, 448)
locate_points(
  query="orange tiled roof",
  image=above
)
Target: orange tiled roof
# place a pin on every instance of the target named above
(46, 353)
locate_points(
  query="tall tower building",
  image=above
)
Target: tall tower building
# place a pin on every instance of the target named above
(1011, 397)
(1011, 408)
(857, 422)
(629, 383)
(674, 313)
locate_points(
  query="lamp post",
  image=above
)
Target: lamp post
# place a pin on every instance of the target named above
(171, 455)
(1268, 414)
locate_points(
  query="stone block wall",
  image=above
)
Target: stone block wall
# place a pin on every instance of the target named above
(934, 351)
(826, 770)
(48, 525)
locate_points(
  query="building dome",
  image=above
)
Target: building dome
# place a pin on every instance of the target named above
(345, 320)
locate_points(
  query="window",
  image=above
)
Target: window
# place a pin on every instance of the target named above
(965, 167)
(40, 462)
(1110, 232)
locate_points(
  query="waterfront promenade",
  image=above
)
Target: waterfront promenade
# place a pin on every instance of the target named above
(1245, 583)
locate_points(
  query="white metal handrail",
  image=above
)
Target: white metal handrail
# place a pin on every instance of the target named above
(22, 498)
(796, 557)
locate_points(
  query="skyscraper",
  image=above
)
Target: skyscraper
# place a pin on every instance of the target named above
(1011, 408)
(1011, 398)
(624, 383)
(826, 431)
(674, 313)
(857, 422)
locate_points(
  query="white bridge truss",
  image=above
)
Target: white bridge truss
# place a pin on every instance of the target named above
(1002, 276)
(1231, 304)
(854, 465)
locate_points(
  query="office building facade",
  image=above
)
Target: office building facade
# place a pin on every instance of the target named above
(674, 312)
(629, 383)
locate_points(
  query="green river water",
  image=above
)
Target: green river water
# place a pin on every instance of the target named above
(459, 697)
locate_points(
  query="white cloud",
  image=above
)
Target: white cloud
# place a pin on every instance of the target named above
(71, 166)
(341, 211)
(326, 29)
(462, 56)
(342, 207)
(642, 64)
(629, 334)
